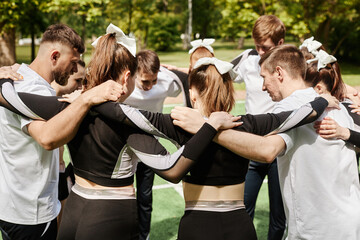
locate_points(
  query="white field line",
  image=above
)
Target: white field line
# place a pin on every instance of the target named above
(177, 187)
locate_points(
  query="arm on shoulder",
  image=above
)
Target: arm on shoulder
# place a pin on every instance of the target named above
(254, 147)
(61, 128)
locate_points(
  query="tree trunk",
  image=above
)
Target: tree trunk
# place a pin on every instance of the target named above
(83, 33)
(7, 48)
(187, 38)
(32, 45)
(241, 43)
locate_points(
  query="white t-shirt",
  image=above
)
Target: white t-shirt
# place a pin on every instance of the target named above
(153, 100)
(318, 178)
(257, 101)
(28, 172)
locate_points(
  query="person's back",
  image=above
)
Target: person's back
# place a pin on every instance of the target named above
(324, 177)
(317, 177)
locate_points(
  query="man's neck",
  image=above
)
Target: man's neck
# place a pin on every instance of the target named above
(42, 68)
(292, 86)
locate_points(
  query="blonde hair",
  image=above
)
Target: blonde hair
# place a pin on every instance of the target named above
(215, 90)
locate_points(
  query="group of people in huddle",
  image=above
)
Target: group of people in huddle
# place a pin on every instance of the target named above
(300, 130)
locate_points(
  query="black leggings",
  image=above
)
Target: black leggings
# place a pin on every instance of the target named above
(12, 231)
(198, 225)
(85, 219)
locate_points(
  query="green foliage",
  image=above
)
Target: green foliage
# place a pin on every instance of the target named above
(206, 17)
(163, 32)
(24, 14)
(238, 18)
(85, 16)
(335, 23)
(326, 20)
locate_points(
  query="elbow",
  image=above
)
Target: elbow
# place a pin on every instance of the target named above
(47, 143)
(174, 179)
(169, 176)
(266, 155)
(269, 159)
(271, 154)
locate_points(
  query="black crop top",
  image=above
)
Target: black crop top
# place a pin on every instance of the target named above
(216, 165)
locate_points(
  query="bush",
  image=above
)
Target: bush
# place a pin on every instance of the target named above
(163, 32)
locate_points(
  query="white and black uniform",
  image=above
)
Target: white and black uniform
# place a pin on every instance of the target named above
(28, 172)
(307, 208)
(169, 84)
(216, 166)
(103, 147)
(106, 153)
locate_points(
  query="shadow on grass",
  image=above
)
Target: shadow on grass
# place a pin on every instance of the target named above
(261, 223)
(169, 228)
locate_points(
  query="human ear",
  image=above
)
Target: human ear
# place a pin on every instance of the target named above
(279, 73)
(55, 55)
(191, 94)
(319, 88)
(126, 77)
(281, 41)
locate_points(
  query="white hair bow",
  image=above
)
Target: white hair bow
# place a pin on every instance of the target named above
(121, 38)
(311, 44)
(206, 42)
(222, 66)
(323, 59)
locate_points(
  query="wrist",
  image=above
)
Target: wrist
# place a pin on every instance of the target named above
(345, 134)
(85, 100)
(213, 123)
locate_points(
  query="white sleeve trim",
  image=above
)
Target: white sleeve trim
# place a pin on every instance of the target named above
(157, 161)
(11, 96)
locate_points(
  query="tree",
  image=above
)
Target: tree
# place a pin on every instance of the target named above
(33, 21)
(323, 19)
(81, 14)
(163, 33)
(238, 18)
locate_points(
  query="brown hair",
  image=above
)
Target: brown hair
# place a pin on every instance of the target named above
(109, 61)
(288, 57)
(81, 63)
(65, 35)
(330, 75)
(200, 52)
(147, 62)
(268, 26)
(215, 90)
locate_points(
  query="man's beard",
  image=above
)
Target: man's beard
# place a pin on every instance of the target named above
(61, 77)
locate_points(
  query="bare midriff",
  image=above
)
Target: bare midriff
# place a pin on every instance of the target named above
(194, 192)
(89, 184)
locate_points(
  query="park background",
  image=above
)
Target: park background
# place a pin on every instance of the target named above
(167, 26)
